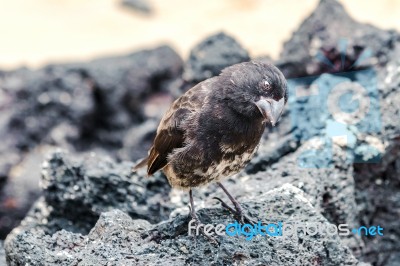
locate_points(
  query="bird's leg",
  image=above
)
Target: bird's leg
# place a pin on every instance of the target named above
(193, 213)
(197, 221)
(238, 212)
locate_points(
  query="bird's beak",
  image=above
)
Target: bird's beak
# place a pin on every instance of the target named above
(271, 109)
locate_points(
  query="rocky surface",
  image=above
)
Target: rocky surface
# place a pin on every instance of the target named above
(328, 34)
(332, 159)
(117, 239)
(79, 107)
(74, 193)
(2, 254)
(361, 54)
(208, 58)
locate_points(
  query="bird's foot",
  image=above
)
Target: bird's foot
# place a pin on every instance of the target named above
(199, 228)
(237, 212)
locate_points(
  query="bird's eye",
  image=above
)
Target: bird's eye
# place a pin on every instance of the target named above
(266, 85)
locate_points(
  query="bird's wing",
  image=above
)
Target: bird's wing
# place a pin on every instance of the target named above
(170, 132)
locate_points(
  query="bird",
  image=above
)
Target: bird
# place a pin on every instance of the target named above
(213, 130)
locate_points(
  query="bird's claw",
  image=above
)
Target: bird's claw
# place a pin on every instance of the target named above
(237, 212)
(226, 206)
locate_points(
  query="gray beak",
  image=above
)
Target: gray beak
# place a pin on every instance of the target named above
(271, 109)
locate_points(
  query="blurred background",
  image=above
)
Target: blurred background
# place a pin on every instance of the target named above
(36, 32)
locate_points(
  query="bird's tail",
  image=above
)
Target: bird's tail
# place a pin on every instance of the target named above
(141, 164)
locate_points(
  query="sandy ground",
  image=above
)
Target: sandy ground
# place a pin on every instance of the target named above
(36, 32)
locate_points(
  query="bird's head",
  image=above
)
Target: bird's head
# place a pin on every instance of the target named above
(256, 90)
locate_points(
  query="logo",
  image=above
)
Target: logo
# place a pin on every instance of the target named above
(281, 229)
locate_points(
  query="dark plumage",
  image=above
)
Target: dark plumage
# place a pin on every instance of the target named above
(213, 130)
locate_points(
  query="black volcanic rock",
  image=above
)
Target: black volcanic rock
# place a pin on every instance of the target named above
(209, 57)
(79, 107)
(118, 239)
(94, 184)
(329, 35)
(378, 184)
(2, 254)
(121, 87)
(331, 32)
(77, 190)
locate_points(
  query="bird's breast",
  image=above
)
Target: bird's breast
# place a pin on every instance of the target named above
(218, 147)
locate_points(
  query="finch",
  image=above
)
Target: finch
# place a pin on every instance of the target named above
(213, 130)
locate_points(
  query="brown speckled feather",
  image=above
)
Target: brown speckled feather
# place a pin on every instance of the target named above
(170, 135)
